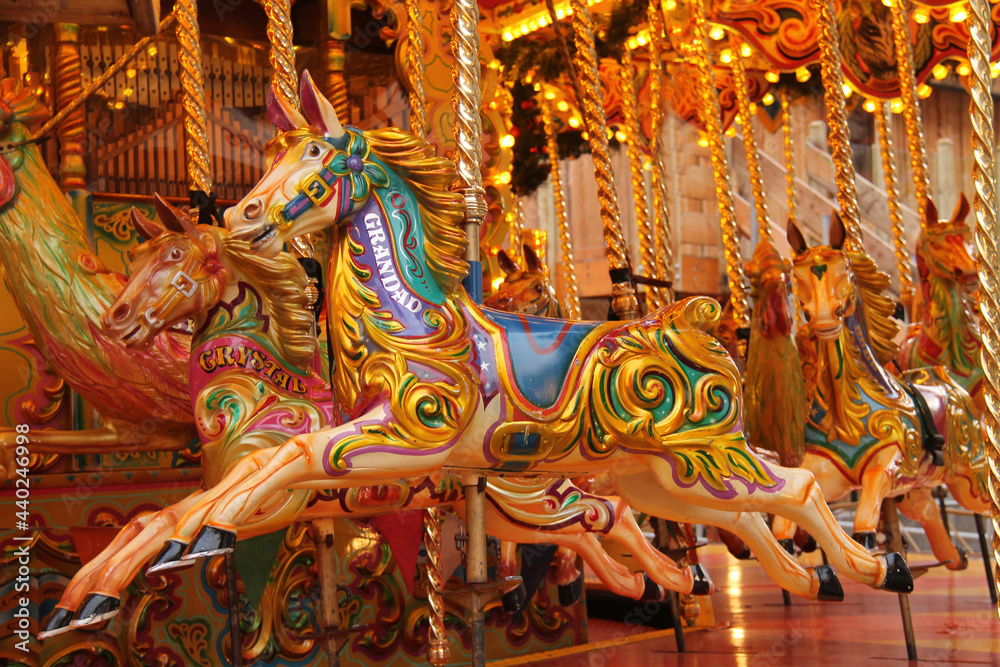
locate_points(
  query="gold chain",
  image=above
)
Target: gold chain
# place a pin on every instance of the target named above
(902, 250)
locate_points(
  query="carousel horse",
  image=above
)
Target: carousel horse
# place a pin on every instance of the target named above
(865, 429)
(254, 381)
(948, 333)
(61, 289)
(526, 291)
(427, 380)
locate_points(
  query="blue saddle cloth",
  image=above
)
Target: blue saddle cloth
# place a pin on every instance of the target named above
(541, 352)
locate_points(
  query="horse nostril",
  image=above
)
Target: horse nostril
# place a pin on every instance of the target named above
(121, 312)
(252, 209)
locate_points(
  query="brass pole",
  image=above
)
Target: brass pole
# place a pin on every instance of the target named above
(750, 146)
(661, 210)
(710, 117)
(911, 105)
(786, 128)
(416, 69)
(559, 197)
(623, 300)
(515, 227)
(69, 85)
(193, 86)
(902, 250)
(836, 118)
(329, 607)
(282, 52)
(987, 239)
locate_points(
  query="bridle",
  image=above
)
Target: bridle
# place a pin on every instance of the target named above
(315, 190)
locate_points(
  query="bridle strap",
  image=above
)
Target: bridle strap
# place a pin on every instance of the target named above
(315, 190)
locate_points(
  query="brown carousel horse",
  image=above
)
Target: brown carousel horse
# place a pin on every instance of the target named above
(526, 291)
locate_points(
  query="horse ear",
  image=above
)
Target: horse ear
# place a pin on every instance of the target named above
(506, 263)
(531, 259)
(148, 229)
(284, 116)
(795, 238)
(961, 209)
(931, 215)
(838, 233)
(319, 112)
(173, 218)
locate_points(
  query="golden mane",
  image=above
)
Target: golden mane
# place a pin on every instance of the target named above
(282, 285)
(431, 178)
(872, 285)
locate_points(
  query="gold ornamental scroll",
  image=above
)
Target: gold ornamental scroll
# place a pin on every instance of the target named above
(911, 105)
(623, 300)
(987, 240)
(710, 116)
(750, 146)
(899, 241)
(193, 88)
(836, 118)
(661, 212)
(559, 197)
(647, 249)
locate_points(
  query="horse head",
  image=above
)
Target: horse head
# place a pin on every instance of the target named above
(525, 291)
(824, 282)
(318, 171)
(176, 274)
(943, 247)
(770, 282)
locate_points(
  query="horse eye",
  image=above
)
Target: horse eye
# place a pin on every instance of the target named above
(538, 288)
(175, 255)
(805, 313)
(314, 151)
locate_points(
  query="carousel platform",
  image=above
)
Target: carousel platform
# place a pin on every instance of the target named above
(954, 622)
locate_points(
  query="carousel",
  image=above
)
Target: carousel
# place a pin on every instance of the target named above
(386, 332)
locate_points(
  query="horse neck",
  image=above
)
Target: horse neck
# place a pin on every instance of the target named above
(54, 276)
(948, 322)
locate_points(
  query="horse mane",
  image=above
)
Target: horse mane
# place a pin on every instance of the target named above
(282, 285)
(430, 178)
(878, 308)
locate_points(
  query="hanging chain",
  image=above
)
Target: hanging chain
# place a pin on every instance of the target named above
(902, 250)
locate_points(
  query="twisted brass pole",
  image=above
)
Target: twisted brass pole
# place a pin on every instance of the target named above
(987, 240)
(786, 129)
(911, 106)
(69, 85)
(282, 52)
(559, 197)
(750, 146)
(632, 138)
(416, 69)
(193, 87)
(661, 211)
(515, 227)
(710, 117)
(899, 241)
(623, 300)
(836, 118)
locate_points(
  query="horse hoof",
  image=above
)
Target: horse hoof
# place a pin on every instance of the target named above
(745, 554)
(702, 582)
(570, 594)
(169, 557)
(897, 575)
(512, 601)
(211, 541)
(58, 624)
(788, 545)
(830, 589)
(867, 539)
(963, 559)
(653, 591)
(96, 607)
(809, 545)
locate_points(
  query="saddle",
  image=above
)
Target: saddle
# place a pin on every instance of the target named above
(933, 442)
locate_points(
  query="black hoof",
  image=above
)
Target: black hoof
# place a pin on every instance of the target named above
(897, 576)
(809, 545)
(211, 541)
(702, 582)
(867, 539)
(513, 600)
(570, 594)
(963, 558)
(653, 591)
(58, 624)
(788, 545)
(830, 589)
(96, 608)
(169, 557)
(746, 554)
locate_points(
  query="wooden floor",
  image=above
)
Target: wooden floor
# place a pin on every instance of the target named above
(954, 622)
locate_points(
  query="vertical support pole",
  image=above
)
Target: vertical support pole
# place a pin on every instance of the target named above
(193, 87)
(623, 300)
(233, 593)
(336, 32)
(675, 612)
(987, 235)
(894, 540)
(559, 197)
(750, 146)
(329, 609)
(69, 85)
(900, 244)
(985, 550)
(282, 52)
(416, 70)
(661, 209)
(786, 131)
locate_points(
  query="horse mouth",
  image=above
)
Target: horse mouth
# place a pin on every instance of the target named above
(133, 336)
(258, 237)
(828, 332)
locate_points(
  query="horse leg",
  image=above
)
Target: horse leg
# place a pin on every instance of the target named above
(919, 505)
(832, 484)
(876, 484)
(967, 491)
(565, 565)
(615, 576)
